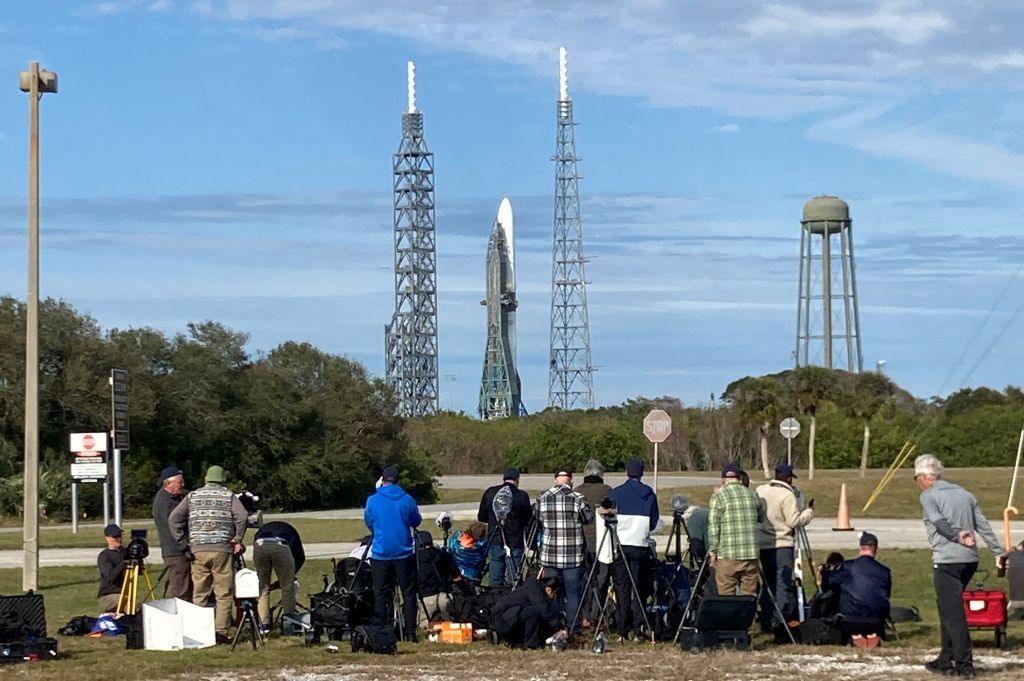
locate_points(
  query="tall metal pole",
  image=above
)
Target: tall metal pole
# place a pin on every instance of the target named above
(117, 486)
(74, 507)
(826, 293)
(30, 537)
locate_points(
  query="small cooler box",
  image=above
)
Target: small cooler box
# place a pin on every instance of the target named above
(986, 609)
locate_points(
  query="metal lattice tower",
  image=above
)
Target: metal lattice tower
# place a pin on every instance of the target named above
(410, 340)
(570, 378)
(828, 319)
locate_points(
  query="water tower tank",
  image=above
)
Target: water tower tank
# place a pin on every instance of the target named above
(825, 212)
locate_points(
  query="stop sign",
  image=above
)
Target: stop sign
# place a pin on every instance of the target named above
(88, 442)
(657, 425)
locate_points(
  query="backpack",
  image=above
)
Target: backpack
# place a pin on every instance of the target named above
(374, 639)
(816, 631)
(78, 626)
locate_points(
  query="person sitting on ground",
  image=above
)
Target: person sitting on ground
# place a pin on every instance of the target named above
(469, 549)
(825, 604)
(865, 586)
(530, 614)
(111, 565)
(436, 577)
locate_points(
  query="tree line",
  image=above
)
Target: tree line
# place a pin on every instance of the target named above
(298, 426)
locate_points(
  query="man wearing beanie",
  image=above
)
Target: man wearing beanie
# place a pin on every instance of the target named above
(174, 552)
(506, 540)
(392, 517)
(637, 507)
(214, 521)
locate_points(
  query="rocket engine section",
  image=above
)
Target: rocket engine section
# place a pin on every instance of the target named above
(500, 389)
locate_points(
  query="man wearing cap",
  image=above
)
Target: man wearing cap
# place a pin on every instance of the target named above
(505, 539)
(561, 514)
(174, 552)
(111, 565)
(777, 539)
(953, 520)
(735, 515)
(637, 511)
(214, 521)
(392, 516)
(864, 586)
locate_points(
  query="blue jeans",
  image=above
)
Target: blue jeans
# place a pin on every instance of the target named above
(498, 563)
(572, 584)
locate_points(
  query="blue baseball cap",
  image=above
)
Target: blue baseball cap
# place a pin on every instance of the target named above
(731, 470)
(784, 470)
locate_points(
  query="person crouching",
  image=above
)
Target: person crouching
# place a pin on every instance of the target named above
(530, 614)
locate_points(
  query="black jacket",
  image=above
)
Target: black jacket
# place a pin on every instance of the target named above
(518, 520)
(508, 607)
(436, 570)
(163, 504)
(865, 586)
(111, 565)
(594, 490)
(288, 534)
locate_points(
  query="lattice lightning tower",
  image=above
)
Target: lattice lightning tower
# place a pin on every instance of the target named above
(570, 378)
(410, 340)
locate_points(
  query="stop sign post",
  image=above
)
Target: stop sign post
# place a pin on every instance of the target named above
(789, 428)
(657, 428)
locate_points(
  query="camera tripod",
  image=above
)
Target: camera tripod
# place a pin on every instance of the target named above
(695, 597)
(127, 601)
(610, 533)
(250, 622)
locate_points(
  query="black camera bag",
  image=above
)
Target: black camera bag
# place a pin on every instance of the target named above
(375, 639)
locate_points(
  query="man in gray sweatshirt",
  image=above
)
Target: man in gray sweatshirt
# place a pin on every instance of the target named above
(952, 519)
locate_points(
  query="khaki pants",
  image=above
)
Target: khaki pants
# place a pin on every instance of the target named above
(730, 573)
(179, 577)
(212, 572)
(108, 603)
(271, 555)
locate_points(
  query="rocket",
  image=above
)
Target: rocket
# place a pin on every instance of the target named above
(500, 388)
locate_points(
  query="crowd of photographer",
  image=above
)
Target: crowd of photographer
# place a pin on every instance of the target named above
(542, 571)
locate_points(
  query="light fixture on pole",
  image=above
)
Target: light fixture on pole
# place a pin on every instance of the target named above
(35, 82)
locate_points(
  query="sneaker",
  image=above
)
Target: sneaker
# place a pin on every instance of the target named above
(939, 666)
(265, 631)
(223, 638)
(967, 671)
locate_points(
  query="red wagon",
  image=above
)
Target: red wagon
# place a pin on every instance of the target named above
(986, 610)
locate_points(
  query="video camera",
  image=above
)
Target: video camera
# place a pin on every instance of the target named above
(444, 521)
(254, 517)
(609, 511)
(138, 547)
(679, 504)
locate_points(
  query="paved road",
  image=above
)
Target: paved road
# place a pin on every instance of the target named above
(892, 533)
(537, 483)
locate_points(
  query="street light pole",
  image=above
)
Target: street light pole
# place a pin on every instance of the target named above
(35, 82)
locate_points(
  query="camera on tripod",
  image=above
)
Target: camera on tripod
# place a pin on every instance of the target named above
(679, 505)
(609, 511)
(138, 547)
(444, 521)
(254, 516)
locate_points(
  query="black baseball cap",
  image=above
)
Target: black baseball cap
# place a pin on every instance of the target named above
(564, 470)
(112, 530)
(390, 474)
(511, 473)
(784, 470)
(169, 472)
(731, 470)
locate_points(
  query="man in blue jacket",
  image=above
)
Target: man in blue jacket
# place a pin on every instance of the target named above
(865, 586)
(637, 510)
(392, 516)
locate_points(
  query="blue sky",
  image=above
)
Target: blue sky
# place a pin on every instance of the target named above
(231, 160)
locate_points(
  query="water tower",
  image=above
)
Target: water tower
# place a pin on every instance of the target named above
(827, 318)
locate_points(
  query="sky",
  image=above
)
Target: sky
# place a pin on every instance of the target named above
(231, 160)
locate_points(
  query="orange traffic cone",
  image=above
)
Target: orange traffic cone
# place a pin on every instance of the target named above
(843, 516)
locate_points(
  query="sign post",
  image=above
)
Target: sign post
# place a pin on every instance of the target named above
(119, 429)
(789, 428)
(89, 465)
(657, 428)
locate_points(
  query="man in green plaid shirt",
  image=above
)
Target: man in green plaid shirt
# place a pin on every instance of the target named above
(734, 516)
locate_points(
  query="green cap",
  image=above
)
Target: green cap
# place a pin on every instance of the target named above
(215, 474)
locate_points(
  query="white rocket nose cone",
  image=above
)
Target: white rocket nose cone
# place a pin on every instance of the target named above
(506, 220)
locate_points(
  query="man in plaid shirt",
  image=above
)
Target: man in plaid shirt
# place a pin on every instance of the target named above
(561, 514)
(734, 516)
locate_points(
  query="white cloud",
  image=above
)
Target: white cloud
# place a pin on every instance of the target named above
(160, 6)
(727, 128)
(1008, 60)
(896, 20)
(202, 7)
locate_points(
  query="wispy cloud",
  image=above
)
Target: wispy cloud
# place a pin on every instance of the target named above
(727, 128)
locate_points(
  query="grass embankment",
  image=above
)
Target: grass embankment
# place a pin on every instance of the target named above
(71, 591)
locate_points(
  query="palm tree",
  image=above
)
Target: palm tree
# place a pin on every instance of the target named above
(869, 392)
(758, 402)
(810, 387)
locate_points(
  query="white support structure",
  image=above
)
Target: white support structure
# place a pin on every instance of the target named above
(411, 69)
(563, 75)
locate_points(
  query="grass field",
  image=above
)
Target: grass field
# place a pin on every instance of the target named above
(71, 591)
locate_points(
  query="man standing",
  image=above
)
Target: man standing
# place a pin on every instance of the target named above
(505, 539)
(595, 491)
(561, 515)
(776, 539)
(637, 512)
(952, 519)
(865, 587)
(214, 521)
(735, 515)
(392, 516)
(111, 565)
(174, 552)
